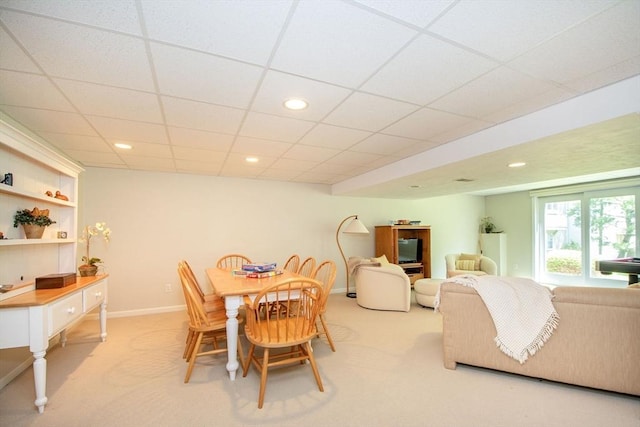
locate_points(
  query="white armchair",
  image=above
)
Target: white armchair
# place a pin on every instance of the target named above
(476, 264)
(386, 287)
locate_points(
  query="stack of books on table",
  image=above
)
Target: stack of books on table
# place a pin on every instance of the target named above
(258, 270)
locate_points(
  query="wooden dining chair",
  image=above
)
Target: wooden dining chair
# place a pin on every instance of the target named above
(232, 261)
(307, 267)
(292, 329)
(213, 305)
(292, 264)
(325, 273)
(211, 301)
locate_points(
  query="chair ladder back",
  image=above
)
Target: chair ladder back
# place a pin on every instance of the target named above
(307, 267)
(301, 297)
(292, 264)
(325, 273)
(231, 261)
(197, 313)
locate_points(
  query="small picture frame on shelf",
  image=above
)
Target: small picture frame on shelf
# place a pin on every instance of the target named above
(62, 234)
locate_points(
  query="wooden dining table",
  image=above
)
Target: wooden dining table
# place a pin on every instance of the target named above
(233, 288)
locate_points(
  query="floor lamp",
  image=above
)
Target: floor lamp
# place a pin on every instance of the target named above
(354, 227)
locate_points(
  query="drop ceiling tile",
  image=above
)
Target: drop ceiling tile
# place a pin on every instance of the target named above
(140, 149)
(313, 177)
(89, 55)
(76, 142)
(383, 144)
(502, 34)
(98, 100)
(416, 12)
(333, 136)
(369, 112)
(494, 91)
(50, 121)
(89, 158)
(278, 87)
(201, 116)
(425, 123)
(198, 154)
(13, 57)
(294, 164)
(600, 43)
(427, 69)
(529, 104)
(239, 159)
(279, 174)
(199, 167)
(41, 94)
(200, 139)
(353, 158)
(209, 26)
(149, 163)
(275, 128)
(464, 128)
(333, 168)
(200, 76)
(118, 15)
(117, 130)
(303, 152)
(241, 171)
(338, 43)
(615, 73)
(259, 147)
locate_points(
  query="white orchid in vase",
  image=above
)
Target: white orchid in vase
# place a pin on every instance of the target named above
(99, 229)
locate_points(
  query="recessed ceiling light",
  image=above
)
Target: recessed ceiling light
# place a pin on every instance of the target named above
(295, 104)
(251, 159)
(123, 145)
(516, 164)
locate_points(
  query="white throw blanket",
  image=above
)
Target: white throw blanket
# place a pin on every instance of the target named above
(521, 309)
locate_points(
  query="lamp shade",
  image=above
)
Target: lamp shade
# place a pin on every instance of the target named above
(356, 227)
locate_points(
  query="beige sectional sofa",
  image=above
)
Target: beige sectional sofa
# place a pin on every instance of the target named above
(596, 344)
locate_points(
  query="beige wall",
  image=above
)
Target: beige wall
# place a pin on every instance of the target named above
(159, 218)
(512, 214)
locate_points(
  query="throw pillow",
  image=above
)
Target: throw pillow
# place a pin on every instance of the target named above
(465, 264)
(381, 259)
(474, 257)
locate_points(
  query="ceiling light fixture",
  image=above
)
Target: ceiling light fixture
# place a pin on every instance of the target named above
(516, 164)
(251, 159)
(123, 146)
(296, 104)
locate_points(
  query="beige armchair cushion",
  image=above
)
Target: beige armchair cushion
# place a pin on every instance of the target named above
(479, 265)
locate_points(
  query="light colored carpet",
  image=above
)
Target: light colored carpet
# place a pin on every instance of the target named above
(387, 371)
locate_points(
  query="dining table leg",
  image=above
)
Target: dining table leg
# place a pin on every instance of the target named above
(231, 304)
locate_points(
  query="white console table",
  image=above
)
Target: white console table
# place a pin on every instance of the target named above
(32, 318)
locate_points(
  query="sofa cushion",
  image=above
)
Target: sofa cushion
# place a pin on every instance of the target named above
(470, 257)
(382, 259)
(465, 264)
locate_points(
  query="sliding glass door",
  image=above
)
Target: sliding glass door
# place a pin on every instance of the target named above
(576, 230)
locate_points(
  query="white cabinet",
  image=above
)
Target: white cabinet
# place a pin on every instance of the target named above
(494, 246)
(36, 169)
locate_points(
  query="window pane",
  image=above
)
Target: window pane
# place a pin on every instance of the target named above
(563, 241)
(612, 231)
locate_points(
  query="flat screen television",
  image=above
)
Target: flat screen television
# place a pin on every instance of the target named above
(409, 250)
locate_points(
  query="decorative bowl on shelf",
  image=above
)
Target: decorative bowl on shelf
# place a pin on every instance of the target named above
(403, 222)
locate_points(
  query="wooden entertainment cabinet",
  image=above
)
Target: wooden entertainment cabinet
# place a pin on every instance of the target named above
(387, 244)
